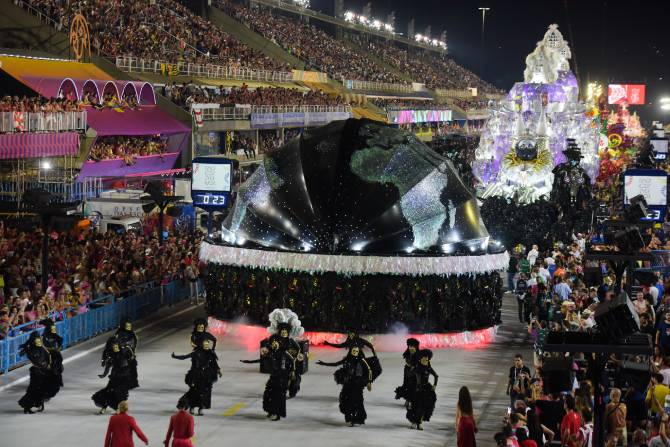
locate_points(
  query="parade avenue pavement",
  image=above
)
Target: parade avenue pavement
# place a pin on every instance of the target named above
(237, 418)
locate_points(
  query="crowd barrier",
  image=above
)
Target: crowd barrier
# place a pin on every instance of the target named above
(244, 113)
(42, 121)
(62, 191)
(352, 84)
(100, 315)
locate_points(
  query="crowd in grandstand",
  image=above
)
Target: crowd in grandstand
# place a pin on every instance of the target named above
(82, 268)
(406, 104)
(38, 104)
(187, 94)
(127, 148)
(431, 68)
(472, 104)
(166, 30)
(317, 48)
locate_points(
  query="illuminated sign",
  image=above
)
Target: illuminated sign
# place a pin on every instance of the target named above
(626, 93)
(211, 181)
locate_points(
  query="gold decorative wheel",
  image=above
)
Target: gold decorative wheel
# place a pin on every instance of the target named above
(615, 140)
(80, 39)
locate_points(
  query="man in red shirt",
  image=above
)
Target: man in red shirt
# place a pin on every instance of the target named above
(570, 424)
(181, 426)
(121, 427)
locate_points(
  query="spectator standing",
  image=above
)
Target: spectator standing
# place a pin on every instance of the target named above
(663, 334)
(615, 416)
(521, 291)
(571, 424)
(656, 394)
(532, 255)
(512, 270)
(562, 289)
(519, 377)
(121, 427)
(465, 421)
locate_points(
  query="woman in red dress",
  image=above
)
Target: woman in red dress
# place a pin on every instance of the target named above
(181, 427)
(465, 420)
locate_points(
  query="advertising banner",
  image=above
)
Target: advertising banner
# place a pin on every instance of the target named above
(632, 94)
(418, 116)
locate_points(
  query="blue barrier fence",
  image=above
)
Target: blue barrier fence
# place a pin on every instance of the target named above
(103, 314)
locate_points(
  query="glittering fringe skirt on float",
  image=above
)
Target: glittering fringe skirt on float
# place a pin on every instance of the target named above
(421, 405)
(274, 397)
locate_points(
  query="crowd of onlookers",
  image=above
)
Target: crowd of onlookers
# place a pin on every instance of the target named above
(472, 104)
(318, 49)
(127, 148)
(187, 94)
(406, 104)
(83, 267)
(433, 69)
(37, 104)
(557, 290)
(164, 30)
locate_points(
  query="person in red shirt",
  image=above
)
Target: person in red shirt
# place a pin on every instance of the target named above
(121, 427)
(570, 424)
(181, 426)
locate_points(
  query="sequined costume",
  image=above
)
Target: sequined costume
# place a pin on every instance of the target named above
(201, 377)
(118, 359)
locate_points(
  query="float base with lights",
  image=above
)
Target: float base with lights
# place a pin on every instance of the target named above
(357, 225)
(526, 133)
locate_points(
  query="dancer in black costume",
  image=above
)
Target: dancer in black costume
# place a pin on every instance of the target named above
(203, 374)
(42, 380)
(200, 334)
(354, 375)
(127, 340)
(421, 402)
(353, 339)
(282, 372)
(408, 378)
(118, 358)
(54, 344)
(294, 384)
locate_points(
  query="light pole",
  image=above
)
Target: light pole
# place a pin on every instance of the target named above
(484, 10)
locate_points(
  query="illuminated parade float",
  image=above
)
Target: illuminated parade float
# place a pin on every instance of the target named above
(526, 133)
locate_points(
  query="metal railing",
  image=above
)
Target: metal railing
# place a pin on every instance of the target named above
(100, 315)
(138, 65)
(244, 113)
(42, 121)
(62, 191)
(39, 14)
(377, 86)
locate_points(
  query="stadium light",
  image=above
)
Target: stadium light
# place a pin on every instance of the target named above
(665, 106)
(46, 165)
(376, 24)
(665, 100)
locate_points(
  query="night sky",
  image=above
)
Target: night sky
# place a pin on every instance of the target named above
(612, 41)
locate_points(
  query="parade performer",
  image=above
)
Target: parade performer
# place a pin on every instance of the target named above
(118, 359)
(411, 360)
(353, 339)
(421, 401)
(127, 340)
(181, 427)
(282, 371)
(200, 334)
(203, 374)
(54, 344)
(42, 380)
(354, 375)
(286, 329)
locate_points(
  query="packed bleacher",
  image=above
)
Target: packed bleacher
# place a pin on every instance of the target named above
(126, 148)
(472, 104)
(82, 268)
(187, 94)
(166, 30)
(38, 104)
(405, 104)
(318, 49)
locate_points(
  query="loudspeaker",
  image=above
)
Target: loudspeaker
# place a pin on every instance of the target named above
(617, 318)
(593, 276)
(629, 239)
(636, 375)
(557, 374)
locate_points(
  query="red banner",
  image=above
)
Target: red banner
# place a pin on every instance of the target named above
(632, 94)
